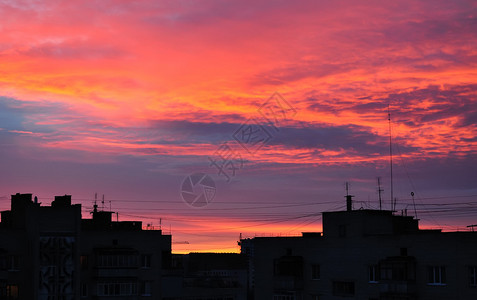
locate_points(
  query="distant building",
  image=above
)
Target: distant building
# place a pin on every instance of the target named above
(51, 253)
(364, 254)
(207, 276)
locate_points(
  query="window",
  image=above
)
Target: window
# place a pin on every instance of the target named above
(117, 289)
(396, 270)
(13, 263)
(3, 262)
(372, 274)
(473, 276)
(146, 288)
(288, 266)
(167, 261)
(84, 290)
(12, 291)
(146, 261)
(117, 260)
(284, 297)
(343, 288)
(84, 262)
(315, 272)
(437, 275)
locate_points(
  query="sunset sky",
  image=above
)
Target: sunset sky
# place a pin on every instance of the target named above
(128, 98)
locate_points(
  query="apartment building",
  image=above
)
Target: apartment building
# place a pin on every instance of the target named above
(50, 252)
(364, 254)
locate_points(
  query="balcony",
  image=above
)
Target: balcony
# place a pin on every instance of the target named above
(287, 283)
(397, 288)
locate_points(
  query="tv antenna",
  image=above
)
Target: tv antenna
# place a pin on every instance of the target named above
(393, 201)
(379, 193)
(95, 206)
(414, 203)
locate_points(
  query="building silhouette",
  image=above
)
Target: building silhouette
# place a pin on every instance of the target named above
(207, 276)
(364, 254)
(51, 253)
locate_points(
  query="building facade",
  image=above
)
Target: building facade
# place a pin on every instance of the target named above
(364, 254)
(51, 253)
(207, 276)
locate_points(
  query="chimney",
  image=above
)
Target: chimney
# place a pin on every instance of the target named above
(349, 199)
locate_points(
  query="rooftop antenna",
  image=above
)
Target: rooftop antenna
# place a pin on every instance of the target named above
(379, 193)
(414, 203)
(393, 201)
(102, 203)
(95, 206)
(472, 227)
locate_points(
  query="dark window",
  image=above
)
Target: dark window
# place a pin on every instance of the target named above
(167, 259)
(284, 296)
(3, 262)
(13, 263)
(373, 274)
(315, 271)
(84, 262)
(473, 276)
(343, 288)
(395, 270)
(12, 291)
(146, 288)
(437, 275)
(289, 266)
(116, 260)
(116, 289)
(84, 290)
(146, 261)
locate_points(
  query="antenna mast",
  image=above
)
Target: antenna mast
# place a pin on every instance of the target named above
(379, 193)
(414, 203)
(95, 206)
(393, 203)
